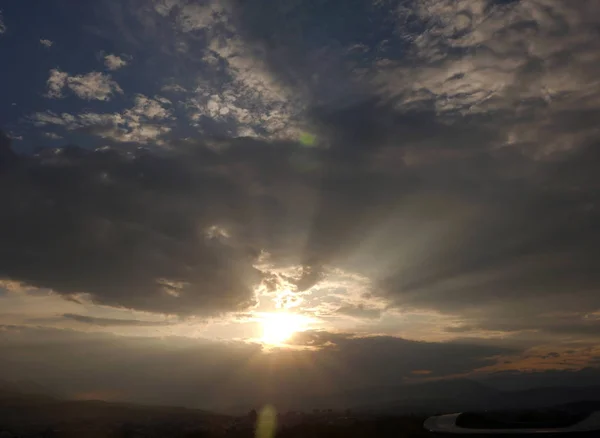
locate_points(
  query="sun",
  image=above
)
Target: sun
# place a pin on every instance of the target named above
(279, 327)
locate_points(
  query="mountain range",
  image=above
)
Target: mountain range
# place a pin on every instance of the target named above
(430, 397)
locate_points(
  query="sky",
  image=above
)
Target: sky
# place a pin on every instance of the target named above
(210, 203)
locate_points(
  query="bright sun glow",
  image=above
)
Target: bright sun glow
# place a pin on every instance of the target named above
(279, 327)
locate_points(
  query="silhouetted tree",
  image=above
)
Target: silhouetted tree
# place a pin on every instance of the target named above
(252, 416)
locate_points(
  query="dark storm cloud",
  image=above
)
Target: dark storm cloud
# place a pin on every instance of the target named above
(527, 252)
(466, 229)
(130, 230)
(359, 311)
(368, 353)
(113, 322)
(222, 375)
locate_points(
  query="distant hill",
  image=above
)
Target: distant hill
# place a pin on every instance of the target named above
(552, 395)
(24, 392)
(20, 399)
(23, 406)
(465, 395)
(430, 397)
(447, 395)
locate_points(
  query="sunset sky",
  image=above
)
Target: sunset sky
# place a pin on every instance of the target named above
(210, 203)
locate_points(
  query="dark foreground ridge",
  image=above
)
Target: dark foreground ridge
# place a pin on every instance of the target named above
(43, 417)
(35, 414)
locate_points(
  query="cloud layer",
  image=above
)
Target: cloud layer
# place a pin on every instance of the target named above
(424, 168)
(463, 235)
(226, 376)
(130, 230)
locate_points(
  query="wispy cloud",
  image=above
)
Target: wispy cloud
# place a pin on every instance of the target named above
(173, 88)
(90, 86)
(114, 62)
(236, 93)
(46, 43)
(52, 135)
(140, 123)
(113, 322)
(56, 82)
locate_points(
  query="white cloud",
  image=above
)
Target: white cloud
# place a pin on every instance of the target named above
(249, 72)
(164, 7)
(218, 107)
(477, 58)
(113, 62)
(46, 43)
(265, 103)
(236, 87)
(51, 118)
(502, 32)
(251, 100)
(194, 16)
(91, 86)
(56, 82)
(52, 135)
(94, 85)
(173, 88)
(250, 104)
(136, 124)
(191, 16)
(150, 108)
(163, 100)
